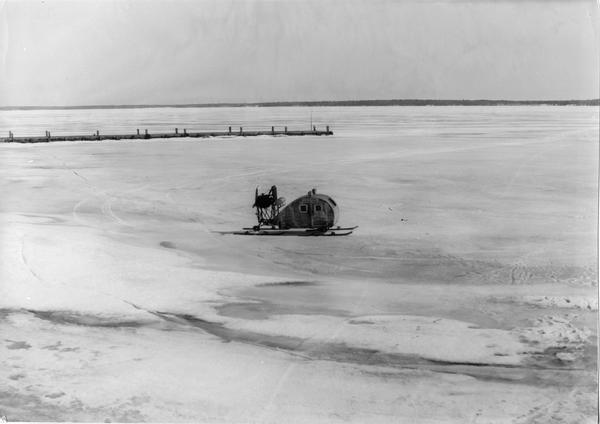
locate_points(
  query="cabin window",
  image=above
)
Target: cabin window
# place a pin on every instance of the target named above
(318, 208)
(303, 208)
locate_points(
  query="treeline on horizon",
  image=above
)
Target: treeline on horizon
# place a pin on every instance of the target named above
(395, 102)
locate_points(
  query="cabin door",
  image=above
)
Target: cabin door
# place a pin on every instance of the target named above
(319, 217)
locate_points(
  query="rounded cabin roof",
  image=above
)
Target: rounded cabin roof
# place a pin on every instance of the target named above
(318, 196)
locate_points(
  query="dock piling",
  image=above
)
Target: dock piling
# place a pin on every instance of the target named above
(176, 130)
(138, 132)
(229, 130)
(241, 131)
(146, 135)
(184, 131)
(285, 130)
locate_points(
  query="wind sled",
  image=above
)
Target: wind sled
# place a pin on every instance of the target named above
(313, 214)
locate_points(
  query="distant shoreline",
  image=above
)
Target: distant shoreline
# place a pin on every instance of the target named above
(328, 103)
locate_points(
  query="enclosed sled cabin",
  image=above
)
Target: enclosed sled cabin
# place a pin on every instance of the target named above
(310, 211)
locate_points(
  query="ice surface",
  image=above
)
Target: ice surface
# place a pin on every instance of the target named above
(467, 294)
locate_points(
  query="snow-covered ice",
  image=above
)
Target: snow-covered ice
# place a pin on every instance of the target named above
(467, 294)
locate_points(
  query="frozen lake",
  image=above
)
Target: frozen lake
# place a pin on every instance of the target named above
(467, 294)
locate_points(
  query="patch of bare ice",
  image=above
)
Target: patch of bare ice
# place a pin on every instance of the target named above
(431, 338)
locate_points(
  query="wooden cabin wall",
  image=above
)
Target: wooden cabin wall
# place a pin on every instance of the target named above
(291, 217)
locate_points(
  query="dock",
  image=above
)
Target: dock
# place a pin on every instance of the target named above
(48, 137)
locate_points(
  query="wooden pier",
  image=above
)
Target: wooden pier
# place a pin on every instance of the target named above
(48, 138)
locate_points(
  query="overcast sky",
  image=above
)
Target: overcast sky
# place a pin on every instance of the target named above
(57, 52)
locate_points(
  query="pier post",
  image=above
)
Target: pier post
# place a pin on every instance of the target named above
(97, 133)
(229, 130)
(314, 128)
(176, 130)
(285, 130)
(48, 135)
(241, 131)
(184, 132)
(146, 134)
(10, 135)
(273, 130)
(327, 129)
(138, 132)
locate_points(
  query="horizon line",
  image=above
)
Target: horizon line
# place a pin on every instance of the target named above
(288, 103)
